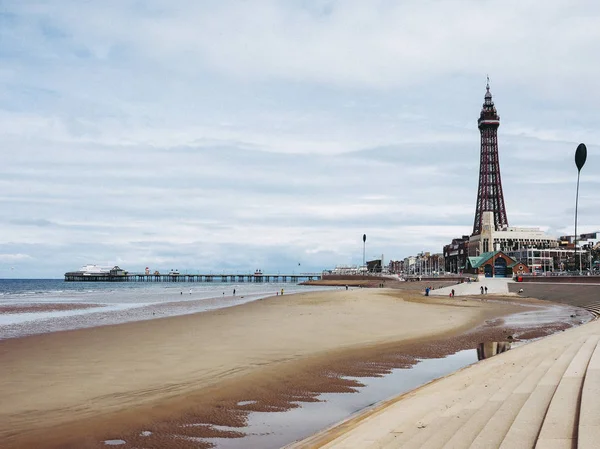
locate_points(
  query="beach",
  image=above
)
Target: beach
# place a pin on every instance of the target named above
(137, 382)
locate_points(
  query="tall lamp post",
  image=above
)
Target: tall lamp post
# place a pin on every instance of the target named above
(580, 157)
(364, 246)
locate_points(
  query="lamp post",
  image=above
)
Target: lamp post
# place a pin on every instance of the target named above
(580, 157)
(364, 246)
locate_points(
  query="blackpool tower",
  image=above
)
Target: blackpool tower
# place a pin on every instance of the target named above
(489, 193)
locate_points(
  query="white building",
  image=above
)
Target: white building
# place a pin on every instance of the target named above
(508, 239)
(548, 260)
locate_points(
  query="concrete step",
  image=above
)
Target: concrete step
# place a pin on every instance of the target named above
(402, 419)
(593, 309)
(589, 411)
(497, 427)
(436, 428)
(450, 422)
(560, 425)
(495, 418)
(485, 407)
(525, 429)
(526, 425)
(376, 428)
(415, 434)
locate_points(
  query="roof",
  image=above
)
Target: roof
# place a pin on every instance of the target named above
(478, 261)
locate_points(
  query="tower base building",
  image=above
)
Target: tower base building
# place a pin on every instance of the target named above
(507, 239)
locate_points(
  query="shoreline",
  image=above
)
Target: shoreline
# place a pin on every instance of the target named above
(276, 380)
(32, 315)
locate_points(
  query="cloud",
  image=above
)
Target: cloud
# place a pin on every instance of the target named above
(243, 135)
(13, 257)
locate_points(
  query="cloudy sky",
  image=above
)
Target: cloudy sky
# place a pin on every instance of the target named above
(235, 135)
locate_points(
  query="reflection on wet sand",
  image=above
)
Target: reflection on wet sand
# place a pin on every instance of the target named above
(491, 348)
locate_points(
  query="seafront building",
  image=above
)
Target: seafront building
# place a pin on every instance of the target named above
(421, 264)
(539, 251)
(455, 254)
(507, 238)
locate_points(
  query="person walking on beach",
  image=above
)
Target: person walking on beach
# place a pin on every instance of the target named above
(234, 292)
(481, 289)
(486, 289)
(281, 292)
(453, 293)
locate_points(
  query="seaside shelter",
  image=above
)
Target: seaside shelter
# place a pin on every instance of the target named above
(493, 264)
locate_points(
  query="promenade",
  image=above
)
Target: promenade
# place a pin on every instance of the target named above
(495, 286)
(540, 395)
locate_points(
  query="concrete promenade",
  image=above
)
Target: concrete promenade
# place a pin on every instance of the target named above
(541, 395)
(496, 286)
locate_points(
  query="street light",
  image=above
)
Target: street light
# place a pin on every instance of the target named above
(580, 157)
(364, 246)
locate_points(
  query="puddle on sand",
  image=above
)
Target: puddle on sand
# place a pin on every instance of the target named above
(276, 429)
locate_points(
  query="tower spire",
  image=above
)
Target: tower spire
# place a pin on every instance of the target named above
(489, 194)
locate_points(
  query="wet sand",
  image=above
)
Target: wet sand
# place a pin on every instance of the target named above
(46, 307)
(184, 375)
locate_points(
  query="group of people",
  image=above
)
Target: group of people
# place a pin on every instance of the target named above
(483, 288)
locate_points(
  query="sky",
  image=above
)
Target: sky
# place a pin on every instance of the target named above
(227, 136)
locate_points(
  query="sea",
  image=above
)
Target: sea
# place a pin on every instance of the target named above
(36, 306)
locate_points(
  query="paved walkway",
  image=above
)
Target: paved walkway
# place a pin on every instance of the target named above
(496, 286)
(586, 296)
(542, 395)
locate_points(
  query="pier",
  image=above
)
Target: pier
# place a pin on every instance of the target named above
(77, 276)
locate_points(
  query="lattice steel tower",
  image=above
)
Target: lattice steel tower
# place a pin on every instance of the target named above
(489, 193)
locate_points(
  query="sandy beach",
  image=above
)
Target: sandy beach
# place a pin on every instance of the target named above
(78, 388)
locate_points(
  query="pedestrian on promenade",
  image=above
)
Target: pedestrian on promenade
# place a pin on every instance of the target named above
(486, 289)
(481, 289)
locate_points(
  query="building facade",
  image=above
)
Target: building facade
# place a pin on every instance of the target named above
(455, 255)
(507, 239)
